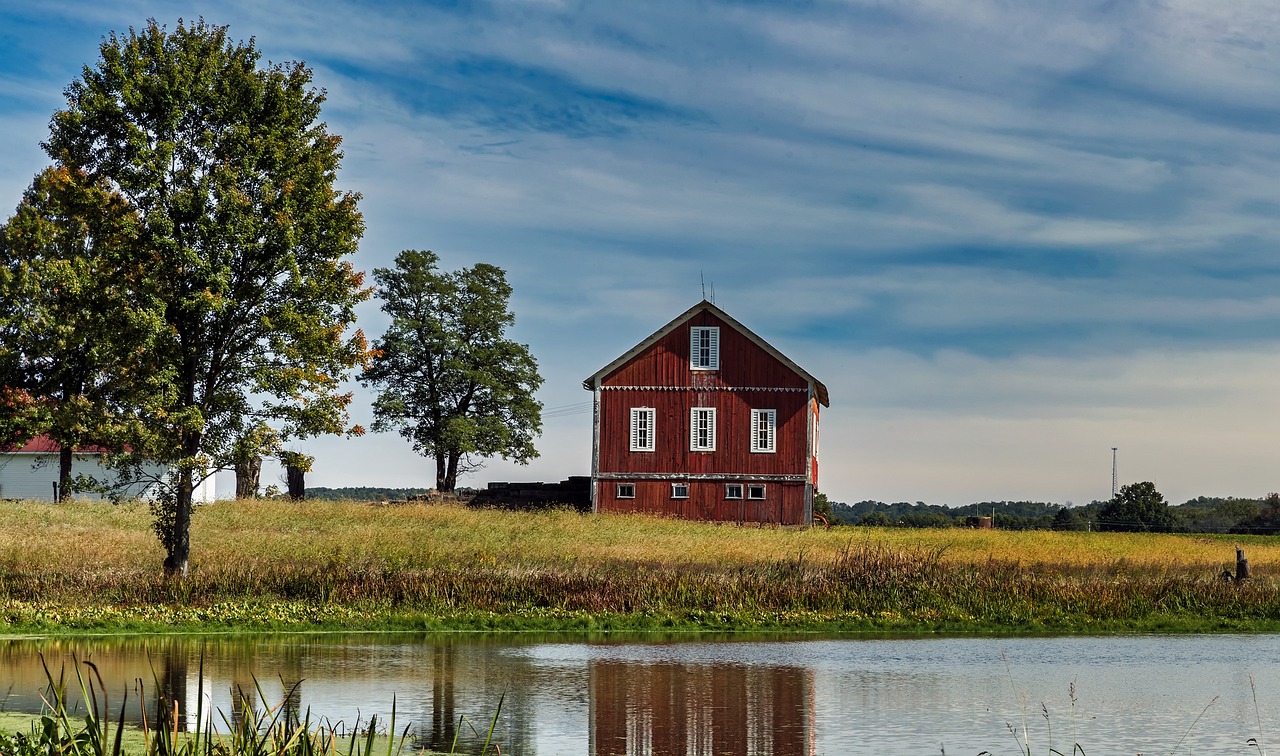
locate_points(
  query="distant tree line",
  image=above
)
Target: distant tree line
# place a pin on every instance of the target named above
(1138, 507)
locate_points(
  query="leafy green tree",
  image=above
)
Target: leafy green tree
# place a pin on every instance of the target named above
(448, 379)
(73, 322)
(822, 508)
(1139, 507)
(231, 175)
(1266, 519)
(875, 519)
(1071, 518)
(926, 519)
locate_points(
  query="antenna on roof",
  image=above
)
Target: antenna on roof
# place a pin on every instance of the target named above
(702, 277)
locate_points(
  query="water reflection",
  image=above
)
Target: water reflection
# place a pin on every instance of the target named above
(446, 689)
(665, 709)
(612, 696)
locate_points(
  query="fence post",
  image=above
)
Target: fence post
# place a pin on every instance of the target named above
(1242, 566)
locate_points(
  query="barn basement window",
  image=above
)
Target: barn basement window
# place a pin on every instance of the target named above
(733, 491)
(626, 490)
(755, 491)
(704, 348)
(679, 490)
(702, 429)
(642, 429)
(764, 430)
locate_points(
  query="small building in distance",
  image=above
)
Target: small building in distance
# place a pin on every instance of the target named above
(29, 472)
(705, 420)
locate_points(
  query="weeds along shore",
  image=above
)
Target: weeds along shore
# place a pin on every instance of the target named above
(351, 565)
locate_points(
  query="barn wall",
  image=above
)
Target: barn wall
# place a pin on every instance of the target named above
(733, 432)
(742, 362)
(748, 377)
(784, 503)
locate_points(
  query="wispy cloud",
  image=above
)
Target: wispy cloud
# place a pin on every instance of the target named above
(1005, 235)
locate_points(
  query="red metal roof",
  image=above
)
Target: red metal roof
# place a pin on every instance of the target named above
(46, 445)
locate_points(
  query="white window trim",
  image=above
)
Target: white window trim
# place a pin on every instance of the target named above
(631, 495)
(713, 348)
(695, 421)
(769, 418)
(647, 415)
(675, 495)
(728, 488)
(763, 492)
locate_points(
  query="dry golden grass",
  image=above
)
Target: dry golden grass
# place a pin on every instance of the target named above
(86, 535)
(352, 564)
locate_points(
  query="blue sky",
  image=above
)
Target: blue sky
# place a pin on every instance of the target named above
(1007, 236)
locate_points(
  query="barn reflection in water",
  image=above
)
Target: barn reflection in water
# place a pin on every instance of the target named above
(667, 708)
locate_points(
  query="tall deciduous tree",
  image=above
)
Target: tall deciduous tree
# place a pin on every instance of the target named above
(447, 376)
(231, 174)
(74, 322)
(1139, 507)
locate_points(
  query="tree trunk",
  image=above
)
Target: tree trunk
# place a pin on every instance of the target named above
(442, 474)
(297, 485)
(178, 541)
(451, 475)
(248, 477)
(64, 472)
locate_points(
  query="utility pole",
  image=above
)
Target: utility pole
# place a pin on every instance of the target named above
(1114, 489)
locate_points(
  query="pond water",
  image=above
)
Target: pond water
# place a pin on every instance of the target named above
(574, 695)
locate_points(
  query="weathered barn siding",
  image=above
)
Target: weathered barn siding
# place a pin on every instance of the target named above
(784, 502)
(733, 432)
(743, 363)
(749, 375)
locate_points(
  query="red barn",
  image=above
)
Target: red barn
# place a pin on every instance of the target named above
(705, 420)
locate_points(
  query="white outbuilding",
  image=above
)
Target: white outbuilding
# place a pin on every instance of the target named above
(30, 472)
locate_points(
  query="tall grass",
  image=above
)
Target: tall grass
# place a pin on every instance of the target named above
(274, 731)
(355, 565)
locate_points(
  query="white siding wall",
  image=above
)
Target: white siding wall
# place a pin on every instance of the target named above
(31, 476)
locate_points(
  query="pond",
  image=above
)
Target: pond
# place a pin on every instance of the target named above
(695, 694)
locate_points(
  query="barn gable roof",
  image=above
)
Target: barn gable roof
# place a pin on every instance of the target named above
(819, 389)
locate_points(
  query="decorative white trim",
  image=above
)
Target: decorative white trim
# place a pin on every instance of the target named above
(787, 389)
(770, 477)
(704, 306)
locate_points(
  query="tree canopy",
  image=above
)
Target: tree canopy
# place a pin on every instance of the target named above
(1139, 507)
(230, 175)
(447, 377)
(73, 322)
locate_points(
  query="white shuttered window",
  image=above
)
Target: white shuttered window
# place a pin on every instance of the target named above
(702, 429)
(704, 347)
(642, 429)
(764, 430)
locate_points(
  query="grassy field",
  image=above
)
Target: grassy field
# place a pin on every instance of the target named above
(260, 564)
